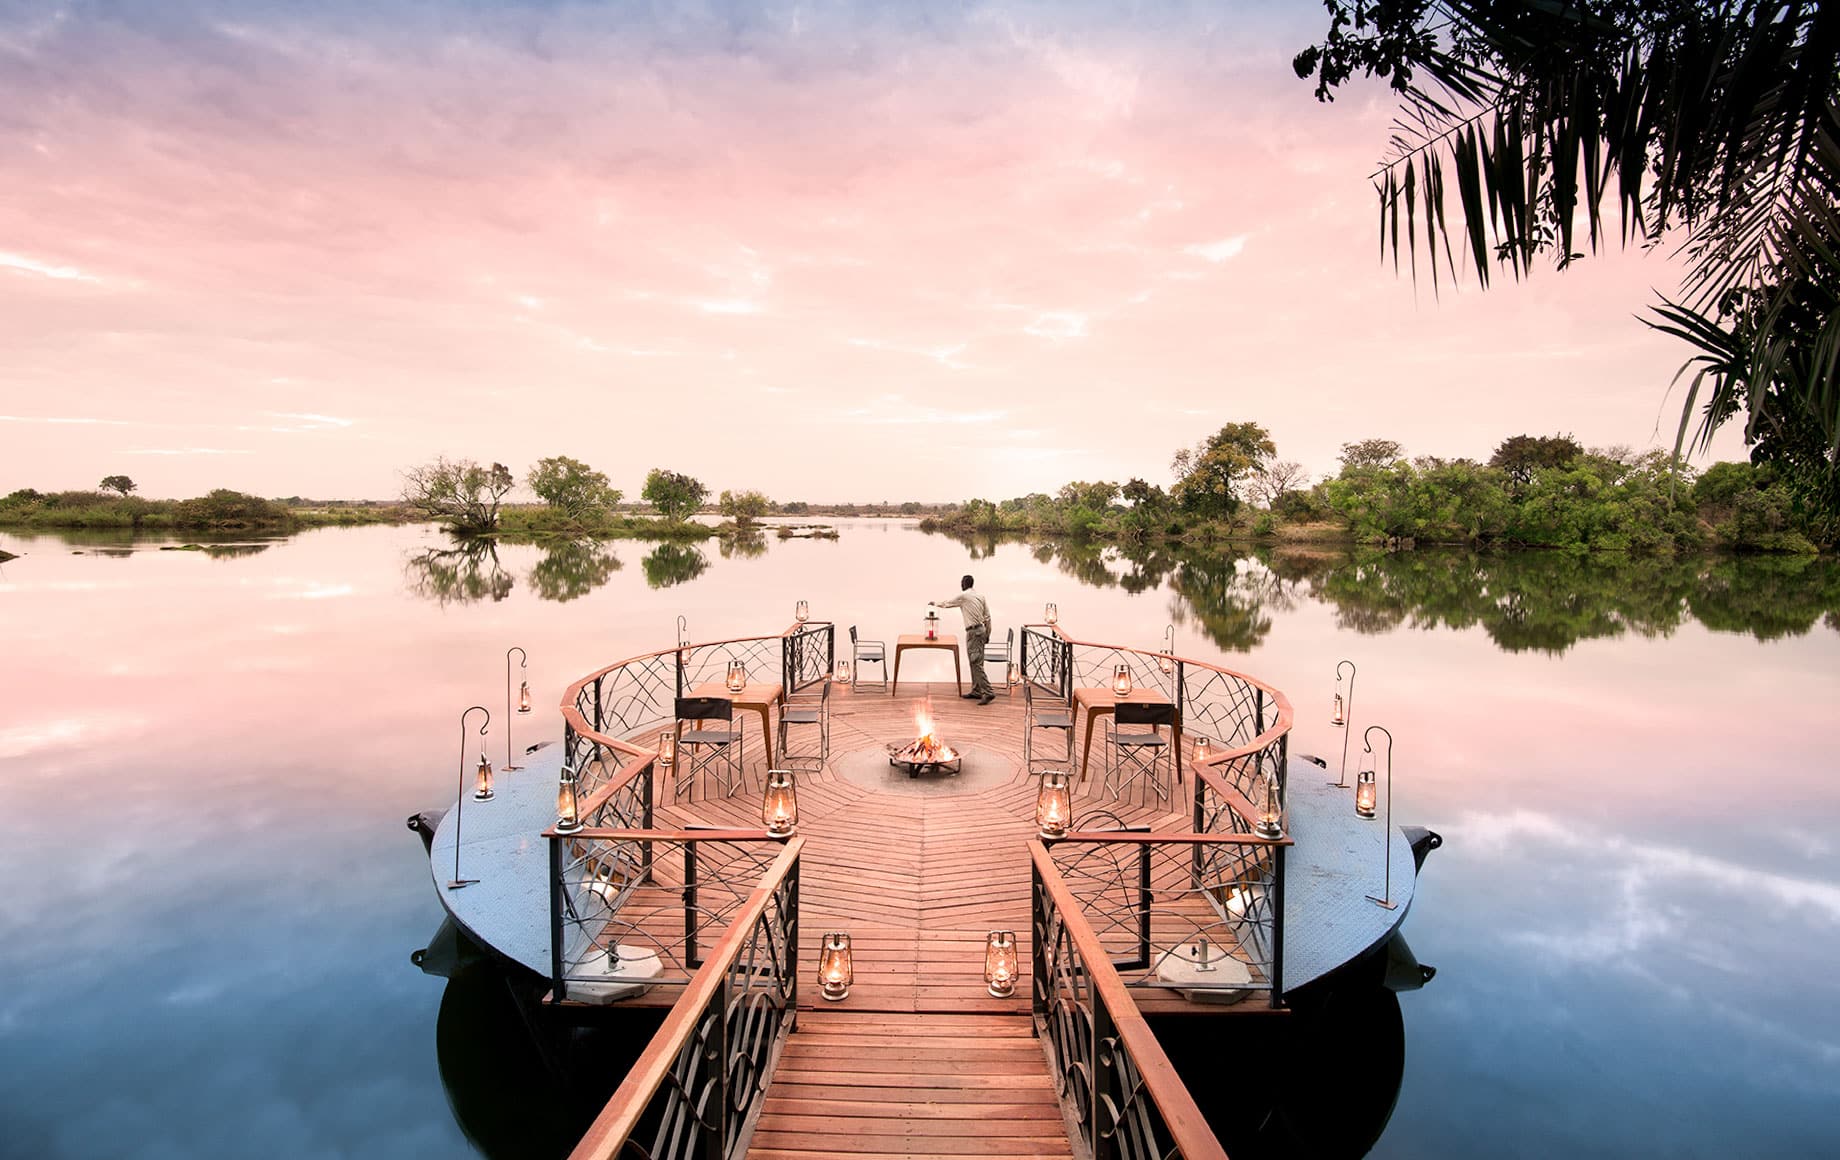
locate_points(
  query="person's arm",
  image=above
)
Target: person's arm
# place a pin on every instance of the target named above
(951, 602)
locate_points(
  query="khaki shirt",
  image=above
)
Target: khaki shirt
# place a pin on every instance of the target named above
(968, 602)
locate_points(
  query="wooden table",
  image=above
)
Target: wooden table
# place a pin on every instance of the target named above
(1100, 701)
(756, 696)
(944, 640)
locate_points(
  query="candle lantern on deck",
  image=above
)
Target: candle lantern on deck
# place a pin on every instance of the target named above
(801, 611)
(737, 676)
(1012, 676)
(932, 624)
(568, 806)
(1366, 794)
(482, 780)
(843, 676)
(1271, 809)
(1166, 661)
(1121, 679)
(667, 748)
(1051, 614)
(1053, 805)
(1000, 965)
(835, 970)
(484, 793)
(779, 806)
(1204, 749)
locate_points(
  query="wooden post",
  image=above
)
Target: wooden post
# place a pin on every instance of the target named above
(558, 985)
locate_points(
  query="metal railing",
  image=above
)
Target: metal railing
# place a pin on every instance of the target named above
(1112, 1075)
(699, 1085)
(657, 897)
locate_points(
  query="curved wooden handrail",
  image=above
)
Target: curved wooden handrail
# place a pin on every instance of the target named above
(1188, 1128)
(621, 1116)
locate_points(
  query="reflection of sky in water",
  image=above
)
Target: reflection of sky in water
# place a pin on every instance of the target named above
(212, 897)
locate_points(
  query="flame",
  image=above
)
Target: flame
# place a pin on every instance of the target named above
(927, 748)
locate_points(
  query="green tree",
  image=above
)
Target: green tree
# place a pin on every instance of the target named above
(1209, 478)
(1521, 456)
(744, 507)
(458, 492)
(1370, 453)
(119, 484)
(1712, 122)
(572, 487)
(676, 496)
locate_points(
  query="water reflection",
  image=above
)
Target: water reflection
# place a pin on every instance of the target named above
(573, 569)
(671, 564)
(466, 573)
(744, 546)
(1533, 601)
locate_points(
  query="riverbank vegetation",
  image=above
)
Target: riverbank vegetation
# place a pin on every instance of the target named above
(1534, 491)
(218, 510)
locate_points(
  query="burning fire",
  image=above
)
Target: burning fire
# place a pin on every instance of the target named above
(926, 748)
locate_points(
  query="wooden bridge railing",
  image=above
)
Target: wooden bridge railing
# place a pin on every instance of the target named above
(700, 1083)
(1111, 1072)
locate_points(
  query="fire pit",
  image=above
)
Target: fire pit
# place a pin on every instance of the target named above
(925, 753)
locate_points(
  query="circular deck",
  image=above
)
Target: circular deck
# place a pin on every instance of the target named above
(921, 868)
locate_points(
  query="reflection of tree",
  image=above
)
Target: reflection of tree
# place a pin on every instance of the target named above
(670, 564)
(572, 569)
(463, 574)
(1549, 601)
(1225, 598)
(232, 551)
(744, 545)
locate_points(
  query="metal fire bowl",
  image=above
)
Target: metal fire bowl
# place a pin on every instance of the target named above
(871, 768)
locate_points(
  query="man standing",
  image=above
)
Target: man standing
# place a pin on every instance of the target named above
(977, 635)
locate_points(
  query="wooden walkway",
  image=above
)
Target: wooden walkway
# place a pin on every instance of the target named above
(900, 1085)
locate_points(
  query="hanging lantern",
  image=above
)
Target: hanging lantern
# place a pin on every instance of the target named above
(1121, 680)
(779, 807)
(1366, 794)
(1053, 805)
(835, 971)
(843, 673)
(801, 611)
(1167, 662)
(667, 748)
(1271, 810)
(524, 697)
(568, 807)
(1339, 716)
(737, 676)
(1012, 676)
(482, 780)
(1051, 614)
(1000, 965)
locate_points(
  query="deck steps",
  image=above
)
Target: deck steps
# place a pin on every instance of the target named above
(877, 1083)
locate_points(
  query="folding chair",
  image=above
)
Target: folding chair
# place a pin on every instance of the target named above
(1002, 655)
(1134, 754)
(1042, 710)
(807, 709)
(870, 651)
(718, 750)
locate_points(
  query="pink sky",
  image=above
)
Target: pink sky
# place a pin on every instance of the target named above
(825, 252)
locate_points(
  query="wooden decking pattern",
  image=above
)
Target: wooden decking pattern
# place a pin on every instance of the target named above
(917, 881)
(910, 1085)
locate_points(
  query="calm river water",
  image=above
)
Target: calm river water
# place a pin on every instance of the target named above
(211, 898)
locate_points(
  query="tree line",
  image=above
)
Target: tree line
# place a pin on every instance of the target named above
(469, 499)
(1532, 491)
